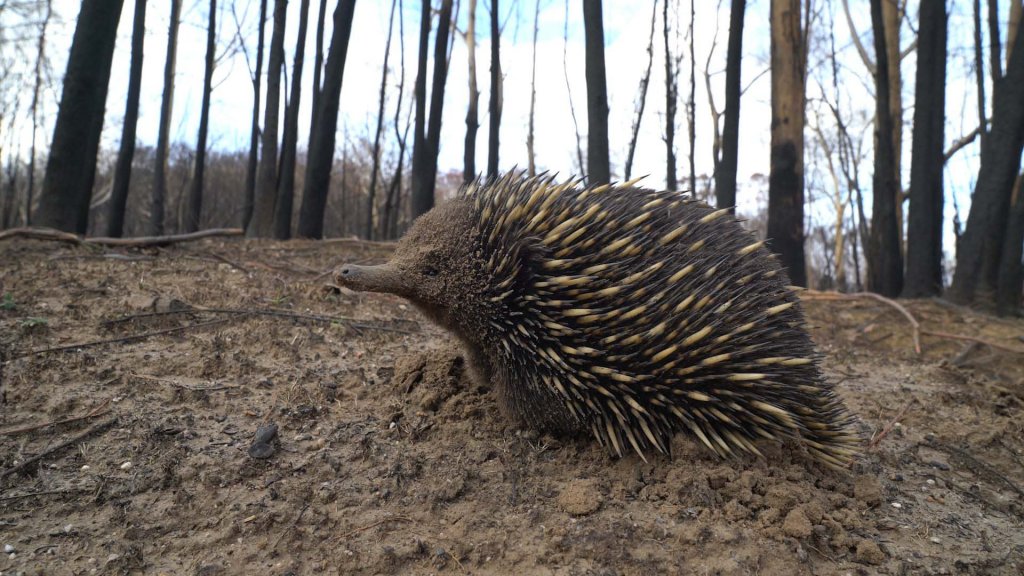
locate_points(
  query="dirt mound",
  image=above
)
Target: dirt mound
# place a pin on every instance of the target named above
(132, 456)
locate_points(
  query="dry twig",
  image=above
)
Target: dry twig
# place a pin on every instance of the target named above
(97, 411)
(888, 427)
(140, 242)
(916, 334)
(101, 427)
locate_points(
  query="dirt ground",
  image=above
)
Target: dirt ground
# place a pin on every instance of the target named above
(134, 456)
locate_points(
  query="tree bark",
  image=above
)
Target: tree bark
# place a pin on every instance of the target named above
(885, 265)
(37, 86)
(126, 153)
(472, 109)
(671, 97)
(495, 101)
(391, 202)
(195, 199)
(892, 16)
(380, 127)
(262, 223)
(426, 144)
(786, 180)
(691, 106)
(924, 232)
(1008, 291)
(598, 166)
(156, 209)
(254, 133)
(290, 142)
(641, 102)
(1012, 27)
(979, 75)
(71, 167)
(981, 246)
(725, 176)
(318, 60)
(530, 156)
(995, 48)
(321, 149)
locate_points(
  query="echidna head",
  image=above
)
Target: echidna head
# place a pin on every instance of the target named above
(435, 266)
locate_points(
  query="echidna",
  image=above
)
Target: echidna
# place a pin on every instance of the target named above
(626, 312)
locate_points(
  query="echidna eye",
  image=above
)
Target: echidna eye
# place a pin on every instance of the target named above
(429, 271)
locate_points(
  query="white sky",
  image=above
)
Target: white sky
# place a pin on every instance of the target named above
(626, 34)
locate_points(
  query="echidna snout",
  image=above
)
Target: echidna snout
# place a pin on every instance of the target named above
(628, 313)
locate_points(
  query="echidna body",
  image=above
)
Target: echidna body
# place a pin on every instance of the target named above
(625, 312)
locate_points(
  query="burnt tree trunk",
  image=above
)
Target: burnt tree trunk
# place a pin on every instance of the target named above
(924, 222)
(427, 143)
(495, 102)
(786, 181)
(195, 197)
(691, 107)
(598, 166)
(530, 156)
(885, 265)
(641, 102)
(371, 196)
(36, 88)
(981, 245)
(389, 222)
(254, 132)
(1011, 273)
(671, 99)
(126, 153)
(321, 148)
(318, 60)
(156, 209)
(725, 176)
(472, 109)
(290, 142)
(262, 223)
(71, 167)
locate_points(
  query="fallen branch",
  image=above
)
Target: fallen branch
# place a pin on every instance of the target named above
(97, 411)
(140, 242)
(989, 343)
(374, 525)
(116, 340)
(888, 427)
(273, 312)
(915, 325)
(101, 427)
(214, 388)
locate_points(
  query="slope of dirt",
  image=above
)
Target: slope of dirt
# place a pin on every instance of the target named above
(388, 460)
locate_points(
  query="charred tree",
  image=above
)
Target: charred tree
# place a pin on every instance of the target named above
(389, 222)
(725, 175)
(126, 153)
(786, 181)
(981, 248)
(671, 99)
(36, 89)
(318, 60)
(71, 167)
(262, 223)
(530, 157)
(598, 165)
(290, 142)
(691, 105)
(885, 264)
(641, 101)
(924, 222)
(495, 103)
(371, 196)
(322, 138)
(426, 143)
(195, 197)
(472, 109)
(254, 132)
(156, 209)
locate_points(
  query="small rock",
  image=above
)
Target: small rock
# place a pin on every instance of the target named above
(580, 498)
(8, 549)
(897, 505)
(935, 540)
(126, 466)
(85, 468)
(868, 552)
(797, 524)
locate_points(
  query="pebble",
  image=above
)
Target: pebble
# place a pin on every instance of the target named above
(897, 505)
(85, 468)
(935, 540)
(126, 466)
(8, 548)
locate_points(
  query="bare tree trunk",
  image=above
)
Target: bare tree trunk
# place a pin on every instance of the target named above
(426, 144)
(979, 75)
(691, 105)
(321, 149)
(380, 127)
(885, 265)
(982, 245)
(1012, 27)
(254, 134)
(71, 167)
(318, 61)
(290, 142)
(786, 181)
(671, 98)
(262, 223)
(531, 160)
(995, 49)
(1008, 291)
(195, 199)
(494, 106)
(725, 175)
(924, 225)
(389, 224)
(156, 210)
(472, 114)
(126, 153)
(37, 86)
(641, 102)
(892, 16)
(598, 166)
(568, 89)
